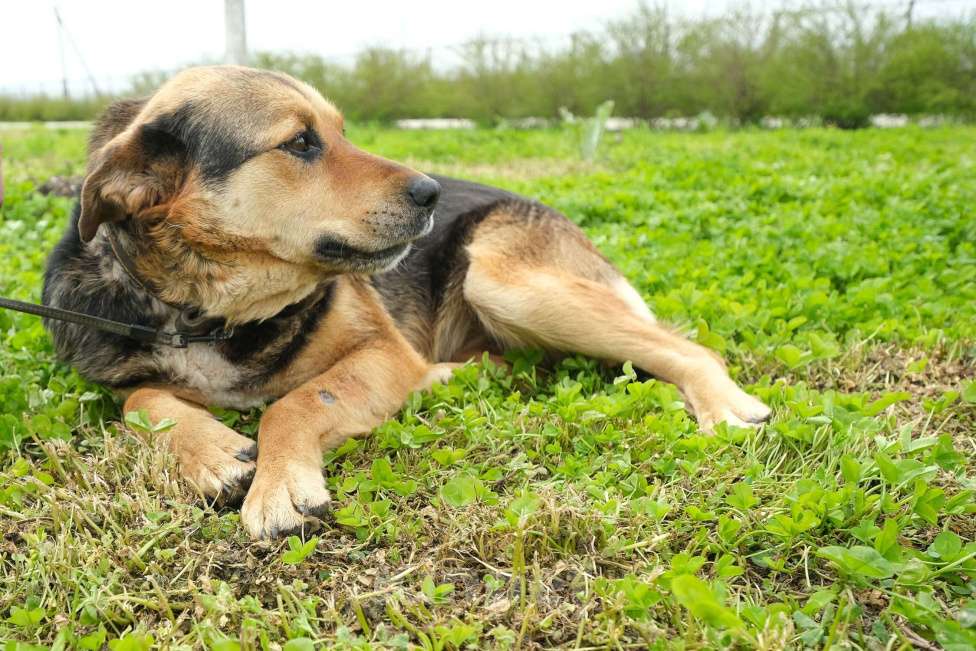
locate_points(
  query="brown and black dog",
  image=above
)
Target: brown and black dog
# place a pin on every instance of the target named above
(232, 197)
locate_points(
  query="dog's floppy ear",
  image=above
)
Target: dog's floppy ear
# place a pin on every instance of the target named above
(138, 169)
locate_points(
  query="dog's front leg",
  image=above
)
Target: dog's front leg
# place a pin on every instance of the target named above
(352, 397)
(215, 459)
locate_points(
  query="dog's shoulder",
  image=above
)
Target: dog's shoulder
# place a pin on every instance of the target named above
(462, 205)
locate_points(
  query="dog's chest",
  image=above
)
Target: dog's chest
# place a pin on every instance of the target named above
(203, 368)
(238, 372)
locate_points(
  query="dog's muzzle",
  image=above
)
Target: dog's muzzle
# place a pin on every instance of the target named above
(335, 251)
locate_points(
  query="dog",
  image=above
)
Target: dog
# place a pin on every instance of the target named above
(230, 198)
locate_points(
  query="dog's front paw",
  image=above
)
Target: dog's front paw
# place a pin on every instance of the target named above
(724, 401)
(220, 465)
(281, 498)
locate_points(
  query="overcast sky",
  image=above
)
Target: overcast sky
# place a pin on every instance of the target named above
(118, 38)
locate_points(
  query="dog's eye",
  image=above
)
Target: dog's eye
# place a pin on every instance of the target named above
(305, 145)
(298, 145)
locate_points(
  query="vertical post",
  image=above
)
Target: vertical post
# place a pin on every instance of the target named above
(64, 65)
(236, 37)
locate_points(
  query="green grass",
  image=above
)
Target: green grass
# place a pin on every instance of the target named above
(575, 506)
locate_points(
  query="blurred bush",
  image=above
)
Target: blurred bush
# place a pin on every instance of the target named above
(841, 65)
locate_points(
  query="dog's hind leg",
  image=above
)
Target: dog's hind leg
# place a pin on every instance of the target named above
(213, 458)
(538, 281)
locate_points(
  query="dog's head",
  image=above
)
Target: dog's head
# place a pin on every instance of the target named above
(241, 162)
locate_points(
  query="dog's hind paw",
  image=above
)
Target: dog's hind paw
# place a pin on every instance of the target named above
(730, 404)
(437, 374)
(283, 501)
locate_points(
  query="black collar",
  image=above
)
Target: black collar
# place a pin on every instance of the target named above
(192, 327)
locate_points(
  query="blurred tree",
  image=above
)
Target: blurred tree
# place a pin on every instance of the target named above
(839, 63)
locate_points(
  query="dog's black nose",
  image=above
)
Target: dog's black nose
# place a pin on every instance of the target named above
(424, 191)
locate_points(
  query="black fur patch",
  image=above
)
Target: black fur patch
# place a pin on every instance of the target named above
(262, 348)
(75, 280)
(212, 141)
(209, 140)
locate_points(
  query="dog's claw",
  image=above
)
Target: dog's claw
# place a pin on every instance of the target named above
(280, 500)
(315, 510)
(219, 467)
(232, 494)
(249, 453)
(761, 416)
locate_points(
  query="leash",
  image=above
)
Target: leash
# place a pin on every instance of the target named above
(177, 339)
(187, 326)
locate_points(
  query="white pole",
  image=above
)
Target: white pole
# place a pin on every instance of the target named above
(236, 52)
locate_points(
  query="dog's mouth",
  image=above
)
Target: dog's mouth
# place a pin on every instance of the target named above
(334, 251)
(331, 250)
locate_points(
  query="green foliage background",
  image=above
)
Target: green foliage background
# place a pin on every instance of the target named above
(838, 62)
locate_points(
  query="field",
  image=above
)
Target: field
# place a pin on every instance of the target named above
(575, 506)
